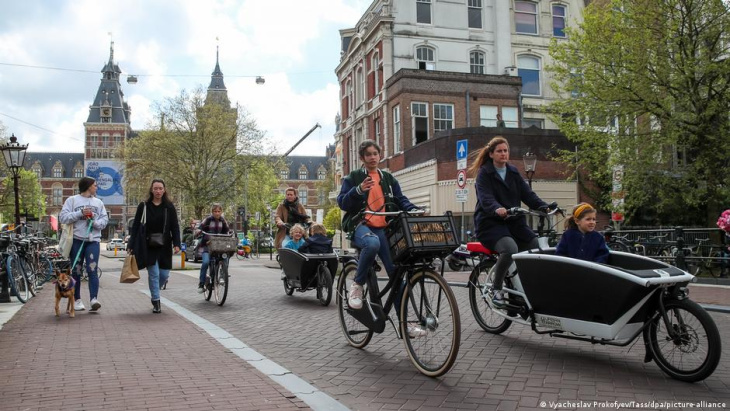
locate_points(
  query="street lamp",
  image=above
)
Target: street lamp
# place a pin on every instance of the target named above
(530, 160)
(14, 155)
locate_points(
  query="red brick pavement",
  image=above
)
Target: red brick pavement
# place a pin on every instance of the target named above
(124, 358)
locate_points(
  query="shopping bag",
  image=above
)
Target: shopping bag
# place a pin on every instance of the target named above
(130, 272)
(66, 240)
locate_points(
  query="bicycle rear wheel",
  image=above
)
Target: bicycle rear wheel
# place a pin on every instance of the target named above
(480, 283)
(45, 270)
(16, 279)
(220, 287)
(357, 334)
(324, 285)
(208, 286)
(430, 323)
(29, 273)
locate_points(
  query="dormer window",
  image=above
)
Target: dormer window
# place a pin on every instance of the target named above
(321, 173)
(303, 173)
(283, 174)
(57, 170)
(37, 170)
(78, 171)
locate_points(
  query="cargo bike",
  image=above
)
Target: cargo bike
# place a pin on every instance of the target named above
(304, 272)
(426, 309)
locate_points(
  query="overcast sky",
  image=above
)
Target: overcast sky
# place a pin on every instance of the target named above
(52, 53)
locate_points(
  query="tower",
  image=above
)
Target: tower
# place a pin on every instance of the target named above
(217, 92)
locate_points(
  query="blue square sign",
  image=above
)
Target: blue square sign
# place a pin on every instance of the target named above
(462, 149)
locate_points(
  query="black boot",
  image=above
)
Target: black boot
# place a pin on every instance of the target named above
(156, 307)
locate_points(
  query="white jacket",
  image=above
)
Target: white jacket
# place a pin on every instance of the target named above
(72, 212)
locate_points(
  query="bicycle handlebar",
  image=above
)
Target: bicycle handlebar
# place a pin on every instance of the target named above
(515, 211)
(417, 211)
(230, 234)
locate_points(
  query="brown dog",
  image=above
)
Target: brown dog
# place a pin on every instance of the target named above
(65, 288)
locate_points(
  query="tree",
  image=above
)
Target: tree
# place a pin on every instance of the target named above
(647, 87)
(30, 195)
(203, 151)
(333, 219)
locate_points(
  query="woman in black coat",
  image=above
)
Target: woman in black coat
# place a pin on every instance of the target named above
(152, 241)
(499, 186)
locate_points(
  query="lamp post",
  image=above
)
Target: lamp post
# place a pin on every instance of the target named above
(530, 160)
(14, 155)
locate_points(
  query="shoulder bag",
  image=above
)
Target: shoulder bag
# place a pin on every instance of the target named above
(157, 240)
(67, 236)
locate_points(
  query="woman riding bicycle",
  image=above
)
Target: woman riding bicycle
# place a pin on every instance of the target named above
(499, 186)
(288, 213)
(213, 224)
(369, 188)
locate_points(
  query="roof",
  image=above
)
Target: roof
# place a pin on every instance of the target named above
(48, 160)
(110, 95)
(312, 164)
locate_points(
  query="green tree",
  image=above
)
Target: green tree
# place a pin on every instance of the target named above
(333, 219)
(648, 82)
(30, 195)
(202, 151)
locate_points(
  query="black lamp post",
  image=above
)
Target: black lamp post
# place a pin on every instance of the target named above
(14, 155)
(530, 160)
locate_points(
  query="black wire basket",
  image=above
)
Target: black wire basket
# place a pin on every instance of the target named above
(417, 237)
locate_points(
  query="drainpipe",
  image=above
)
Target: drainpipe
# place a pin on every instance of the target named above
(468, 111)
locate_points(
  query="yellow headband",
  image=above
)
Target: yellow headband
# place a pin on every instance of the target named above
(580, 209)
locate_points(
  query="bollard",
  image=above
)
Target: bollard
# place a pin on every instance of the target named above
(679, 260)
(115, 251)
(182, 261)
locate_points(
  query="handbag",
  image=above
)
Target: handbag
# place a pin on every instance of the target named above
(130, 271)
(67, 237)
(157, 240)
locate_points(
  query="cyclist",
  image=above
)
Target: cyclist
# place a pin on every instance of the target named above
(499, 186)
(213, 224)
(369, 188)
(289, 212)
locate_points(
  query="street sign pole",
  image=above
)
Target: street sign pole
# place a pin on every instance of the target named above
(462, 150)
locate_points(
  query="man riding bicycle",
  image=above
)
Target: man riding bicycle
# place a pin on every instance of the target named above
(369, 188)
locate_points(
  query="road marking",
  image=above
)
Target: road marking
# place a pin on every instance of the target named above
(313, 397)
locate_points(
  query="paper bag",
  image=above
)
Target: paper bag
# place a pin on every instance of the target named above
(130, 272)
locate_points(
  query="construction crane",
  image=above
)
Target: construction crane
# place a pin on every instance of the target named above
(301, 139)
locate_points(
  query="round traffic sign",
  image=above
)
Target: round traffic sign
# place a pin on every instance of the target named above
(461, 178)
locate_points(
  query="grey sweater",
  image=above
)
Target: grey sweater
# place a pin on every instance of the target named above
(72, 212)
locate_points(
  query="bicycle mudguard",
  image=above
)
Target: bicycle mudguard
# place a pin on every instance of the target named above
(370, 315)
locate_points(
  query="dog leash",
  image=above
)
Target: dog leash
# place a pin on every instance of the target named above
(78, 253)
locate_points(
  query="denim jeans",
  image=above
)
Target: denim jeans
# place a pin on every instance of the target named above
(371, 242)
(90, 254)
(204, 267)
(157, 277)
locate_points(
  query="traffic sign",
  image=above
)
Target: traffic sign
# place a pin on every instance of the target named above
(462, 195)
(462, 151)
(461, 178)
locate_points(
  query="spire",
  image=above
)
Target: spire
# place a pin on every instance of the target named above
(109, 105)
(217, 89)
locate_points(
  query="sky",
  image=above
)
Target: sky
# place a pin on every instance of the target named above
(52, 53)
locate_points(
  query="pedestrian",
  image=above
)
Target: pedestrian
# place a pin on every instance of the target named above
(81, 210)
(499, 186)
(580, 239)
(500, 122)
(213, 224)
(162, 234)
(289, 212)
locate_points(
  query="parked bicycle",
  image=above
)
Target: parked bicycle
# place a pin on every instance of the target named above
(428, 315)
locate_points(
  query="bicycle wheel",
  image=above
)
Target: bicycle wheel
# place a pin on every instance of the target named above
(29, 273)
(45, 270)
(430, 323)
(221, 282)
(357, 334)
(240, 256)
(209, 280)
(618, 246)
(16, 279)
(713, 263)
(693, 353)
(324, 285)
(480, 282)
(98, 272)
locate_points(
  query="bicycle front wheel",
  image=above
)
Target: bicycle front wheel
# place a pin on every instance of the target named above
(430, 323)
(356, 333)
(29, 273)
(45, 270)
(16, 279)
(220, 286)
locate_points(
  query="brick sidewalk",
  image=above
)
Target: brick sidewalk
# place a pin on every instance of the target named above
(124, 358)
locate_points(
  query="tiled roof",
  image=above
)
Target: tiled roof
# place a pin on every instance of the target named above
(48, 160)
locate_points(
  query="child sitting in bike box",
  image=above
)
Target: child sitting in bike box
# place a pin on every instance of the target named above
(580, 239)
(317, 243)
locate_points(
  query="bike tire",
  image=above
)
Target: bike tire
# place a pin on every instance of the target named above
(289, 290)
(356, 334)
(618, 246)
(695, 325)
(324, 285)
(712, 265)
(221, 284)
(29, 273)
(16, 279)
(454, 266)
(429, 303)
(45, 270)
(480, 280)
(208, 285)
(240, 256)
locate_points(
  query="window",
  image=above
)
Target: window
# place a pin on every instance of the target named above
(396, 129)
(425, 59)
(321, 196)
(57, 194)
(93, 140)
(528, 68)
(510, 117)
(558, 20)
(376, 73)
(525, 17)
(488, 116)
(321, 174)
(376, 127)
(57, 171)
(37, 170)
(303, 173)
(303, 195)
(419, 113)
(360, 84)
(117, 140)
(475, 14)
(443, 117)
(529, 122)
(423, 11)
(476, 62)
(350, 102)
(78, 172)
(283, 174)
(105, 140)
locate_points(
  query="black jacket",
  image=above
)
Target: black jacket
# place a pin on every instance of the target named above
(147, 256)
(316, 244)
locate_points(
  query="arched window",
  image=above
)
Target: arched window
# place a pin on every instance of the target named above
(425, 58)
(360, 84)
(528, 67)
(476, 62)
(321, 173)
(57, 194)
(58, 170)
(78, 171)
(93, 140)
(105, 140)
(376, 73)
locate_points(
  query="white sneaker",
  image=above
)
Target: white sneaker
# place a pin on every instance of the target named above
(355, 298)
(95, 305)
(415, 331)
(79, 305)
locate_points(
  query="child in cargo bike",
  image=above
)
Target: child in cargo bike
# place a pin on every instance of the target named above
(369, 188)
(317, 243)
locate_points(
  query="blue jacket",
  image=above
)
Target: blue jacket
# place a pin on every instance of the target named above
(589, 247)
(294, 245)
(493, 193)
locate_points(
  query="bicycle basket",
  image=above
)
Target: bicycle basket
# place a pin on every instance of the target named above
(222, 245)
(415, 237)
